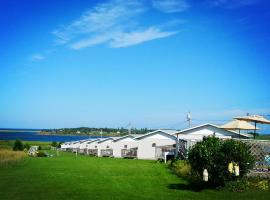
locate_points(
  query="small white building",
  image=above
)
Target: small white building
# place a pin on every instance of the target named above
(83, 145)
(125, 146)
(65, 146)
(74, 146)
(147, 143)
(92, 147)
(105, 147)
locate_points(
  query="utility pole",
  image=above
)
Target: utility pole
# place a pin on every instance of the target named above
(189, 119)
(101, 132)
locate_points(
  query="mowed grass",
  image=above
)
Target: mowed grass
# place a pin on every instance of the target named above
(68, 177)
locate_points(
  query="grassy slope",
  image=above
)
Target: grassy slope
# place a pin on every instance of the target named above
(263, 137)
(8, 144)
(67, 177)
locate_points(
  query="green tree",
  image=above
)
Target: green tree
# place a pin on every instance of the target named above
(18, 145)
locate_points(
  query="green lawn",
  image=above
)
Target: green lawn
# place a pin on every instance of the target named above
(68, 177)
(263, 137)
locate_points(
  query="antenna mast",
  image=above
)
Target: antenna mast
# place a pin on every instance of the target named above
(189, 119)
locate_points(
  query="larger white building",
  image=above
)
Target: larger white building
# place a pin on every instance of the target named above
(205, 130)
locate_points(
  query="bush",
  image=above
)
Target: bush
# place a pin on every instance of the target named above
(41, 154)
(59, 144)
(54, 144)
(214, 155)
(181, 168)
(238, 185)
(27, 146)
(39, 148)
(18, 145)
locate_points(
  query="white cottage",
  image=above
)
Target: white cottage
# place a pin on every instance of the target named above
(83, 146)
(125, 146)
(92, 147)
(65, 146)
(148, 143)
(105, 147)
(75, 146)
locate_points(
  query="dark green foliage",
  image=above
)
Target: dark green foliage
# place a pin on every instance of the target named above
(236, 151)
(214, 155)
(54, 144)
(59, 144)
(41, 154)
(39, 148)
(18, 145)
(27, 146)
(249, 183)
(238, 185)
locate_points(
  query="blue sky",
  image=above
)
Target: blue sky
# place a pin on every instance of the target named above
(110, 63)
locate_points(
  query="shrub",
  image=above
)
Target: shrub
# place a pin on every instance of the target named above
(214, 155)
(39, 148)
(18, 145)
(238, 185)
(237, 151)
(259, 183)
(41, 154)
(54, 144)
(181, 168)
(59, 144)
(27, 146)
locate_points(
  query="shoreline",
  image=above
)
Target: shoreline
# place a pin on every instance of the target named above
(10, 130)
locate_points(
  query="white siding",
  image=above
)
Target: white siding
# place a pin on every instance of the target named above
(145, 148)
(108, 144)
(120, 144)
(198, 133)
(93, 145)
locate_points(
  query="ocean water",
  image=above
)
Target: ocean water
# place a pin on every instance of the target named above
(29, 135)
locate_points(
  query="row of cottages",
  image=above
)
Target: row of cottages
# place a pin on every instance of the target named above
(153, 145)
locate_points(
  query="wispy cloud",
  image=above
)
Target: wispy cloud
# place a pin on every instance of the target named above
(128, 39)
(171, 6)
(233, 3)
(37, 57)
(115, 23)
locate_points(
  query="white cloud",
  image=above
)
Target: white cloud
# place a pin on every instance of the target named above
(128, 39)
(37, 57)
(103, 17)
(171, 6)
(115, 23)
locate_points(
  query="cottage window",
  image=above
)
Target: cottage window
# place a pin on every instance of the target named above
(95, 146)
(154, 145)
(108, 147)
(125, 146)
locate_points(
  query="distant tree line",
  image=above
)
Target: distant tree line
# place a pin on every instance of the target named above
(96, 131)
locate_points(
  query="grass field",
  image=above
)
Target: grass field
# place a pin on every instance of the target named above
(68, 177)
(263, 137)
